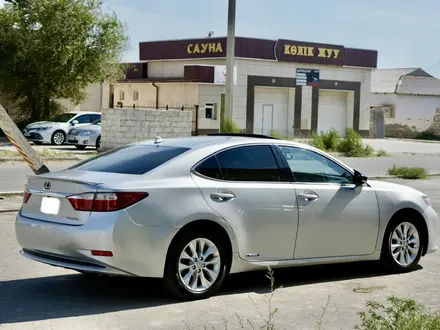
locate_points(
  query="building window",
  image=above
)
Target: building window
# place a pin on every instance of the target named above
(135, 95)
(121, 95)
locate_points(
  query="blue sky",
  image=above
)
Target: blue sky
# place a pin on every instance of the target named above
(405, 32)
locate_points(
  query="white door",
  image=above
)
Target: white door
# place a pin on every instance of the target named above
(278, 99)
(332, 111)
(267, 122)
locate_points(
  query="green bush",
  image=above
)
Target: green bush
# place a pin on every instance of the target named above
(350, 146)
(382, 153)
(326, 141)
(276, 134)
(228, 126)
(331, 140)
(318, 142)
(404, 172)
(402, 314)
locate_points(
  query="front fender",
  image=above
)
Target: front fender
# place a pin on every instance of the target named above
(391, 202)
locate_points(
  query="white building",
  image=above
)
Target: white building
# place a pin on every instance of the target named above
(268, 92)
(410, 97)
(97, 98)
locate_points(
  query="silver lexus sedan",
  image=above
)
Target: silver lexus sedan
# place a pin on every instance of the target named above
(193, 210)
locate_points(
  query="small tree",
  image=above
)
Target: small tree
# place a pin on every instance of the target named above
(54, 49)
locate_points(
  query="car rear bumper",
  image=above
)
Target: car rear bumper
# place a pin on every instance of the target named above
(82, 140)
(137, 250)
(69, 263)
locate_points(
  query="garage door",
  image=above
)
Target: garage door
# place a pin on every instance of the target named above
(270, 110)
(332, 111)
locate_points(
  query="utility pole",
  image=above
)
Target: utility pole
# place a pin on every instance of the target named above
(20, 142)
(230, 54)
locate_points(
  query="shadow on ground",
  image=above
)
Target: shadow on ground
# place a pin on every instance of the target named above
(55, 297)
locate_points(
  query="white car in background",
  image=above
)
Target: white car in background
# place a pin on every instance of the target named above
(85, 136)
(55, 131)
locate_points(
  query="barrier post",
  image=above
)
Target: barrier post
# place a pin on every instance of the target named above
(16, 137)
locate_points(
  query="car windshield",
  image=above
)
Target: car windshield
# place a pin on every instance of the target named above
(63, 117)
(97, 122)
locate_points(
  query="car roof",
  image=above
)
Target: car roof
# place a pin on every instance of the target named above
(206, 140)
(84, 112)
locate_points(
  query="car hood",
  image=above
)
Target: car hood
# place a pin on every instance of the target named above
(389, 186)
(41, 124)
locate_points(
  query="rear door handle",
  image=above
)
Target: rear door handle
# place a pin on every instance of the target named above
(308, 197)
(222, 196)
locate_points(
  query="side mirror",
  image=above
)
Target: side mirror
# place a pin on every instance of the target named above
(359, 178)
(75, 122)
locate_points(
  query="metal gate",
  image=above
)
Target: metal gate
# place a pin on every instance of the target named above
(377, 123)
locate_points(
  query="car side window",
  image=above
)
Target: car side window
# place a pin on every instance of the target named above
(209, 168)
(94, 118)
(249, 163)
(311, 167)
(84, 119)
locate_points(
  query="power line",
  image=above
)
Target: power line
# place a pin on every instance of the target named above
(433, 66)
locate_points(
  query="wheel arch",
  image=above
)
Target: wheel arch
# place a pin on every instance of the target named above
(56, 131)
(205, 224)
(415, 215)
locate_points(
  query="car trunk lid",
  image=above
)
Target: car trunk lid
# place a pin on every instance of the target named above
(47, 198)
(50, 194)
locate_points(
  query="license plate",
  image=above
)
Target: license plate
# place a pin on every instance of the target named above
(50, 205)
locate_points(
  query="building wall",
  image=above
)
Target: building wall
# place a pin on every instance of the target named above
(175, 95)
(281, 69)
(209, 93)
(306, 108)
(414, 106)
(124, 126)
(96, 99)
(249, 67)
(175, 68)
(411, 114)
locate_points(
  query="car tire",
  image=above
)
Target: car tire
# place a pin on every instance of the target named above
(201, 272)
(80, 147)
(402, 245)
(58, 138)
(98, 143)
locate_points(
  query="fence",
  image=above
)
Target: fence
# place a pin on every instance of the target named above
(195, 113)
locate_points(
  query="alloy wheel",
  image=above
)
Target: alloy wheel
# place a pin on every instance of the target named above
(405, 244)
(58, 138)
(199, 265)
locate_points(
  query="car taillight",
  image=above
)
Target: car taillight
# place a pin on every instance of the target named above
(26, 196)
(105, 202)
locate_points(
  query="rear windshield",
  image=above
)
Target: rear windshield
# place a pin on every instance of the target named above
(134, 159)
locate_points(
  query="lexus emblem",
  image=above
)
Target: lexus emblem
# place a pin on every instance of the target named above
(47, 185)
